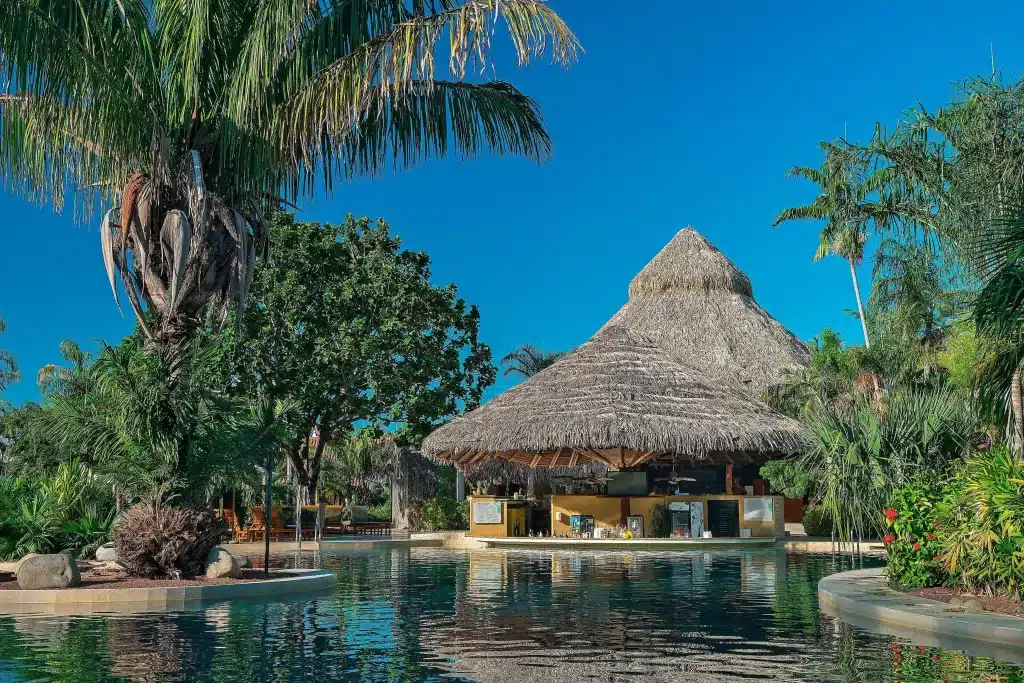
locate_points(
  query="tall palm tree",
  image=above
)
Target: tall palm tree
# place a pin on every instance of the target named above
(8, 369)
(528, 360)
(844, 203)
(189, 121)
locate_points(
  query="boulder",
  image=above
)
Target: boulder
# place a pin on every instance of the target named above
(220, 564)
(107, 553)
(48, 571)
(973, 607)
(242, 561)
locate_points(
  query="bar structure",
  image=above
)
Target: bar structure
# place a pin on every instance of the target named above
(654, 426)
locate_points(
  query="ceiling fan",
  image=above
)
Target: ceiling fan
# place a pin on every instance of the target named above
(674, 478)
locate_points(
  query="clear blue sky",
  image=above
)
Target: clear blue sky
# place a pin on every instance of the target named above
(678, 114)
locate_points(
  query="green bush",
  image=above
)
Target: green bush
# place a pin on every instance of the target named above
(69, 511)
(381, 512)
(817, 522)
(444, 514)
(965, 531)
(981, 524)
(911, 539)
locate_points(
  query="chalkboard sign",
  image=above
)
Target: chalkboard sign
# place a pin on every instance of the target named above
(757, 510)
(487, 513)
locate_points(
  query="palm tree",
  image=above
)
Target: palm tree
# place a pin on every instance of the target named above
(8, 369)
(67, 381)
(853, 198)
(527, 361)
(844, 202)
(189, 122)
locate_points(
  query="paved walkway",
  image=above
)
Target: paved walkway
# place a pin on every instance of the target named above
(861, 597)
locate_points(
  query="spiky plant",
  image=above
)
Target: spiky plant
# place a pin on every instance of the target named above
(186, 122)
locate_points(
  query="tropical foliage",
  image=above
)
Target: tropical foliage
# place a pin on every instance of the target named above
(964, 530)
(71, 510)
(191, 122)
(926, 424)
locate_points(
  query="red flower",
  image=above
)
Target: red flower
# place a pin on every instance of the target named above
(930, 537)
(917, 546)
(890, 515)
(937, 558)
(888, 539)
(920, 648)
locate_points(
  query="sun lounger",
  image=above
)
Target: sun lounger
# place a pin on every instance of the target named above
(258, 529)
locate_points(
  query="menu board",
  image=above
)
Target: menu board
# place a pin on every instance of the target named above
(487, 512)
(757, 510)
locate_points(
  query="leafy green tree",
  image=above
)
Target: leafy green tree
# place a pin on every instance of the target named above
(346, 325)
(191, 120)
(528, 360)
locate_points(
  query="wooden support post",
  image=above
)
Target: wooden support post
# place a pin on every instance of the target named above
(728, 479)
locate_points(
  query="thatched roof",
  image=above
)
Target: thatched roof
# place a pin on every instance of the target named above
(693, 302)
(619, 400)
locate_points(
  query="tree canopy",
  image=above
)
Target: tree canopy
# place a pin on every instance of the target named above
(346, 325)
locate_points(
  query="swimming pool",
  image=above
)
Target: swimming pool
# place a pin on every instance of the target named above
(502, 615)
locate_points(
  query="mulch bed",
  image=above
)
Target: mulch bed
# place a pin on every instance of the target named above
(999, 604)
(109, 579)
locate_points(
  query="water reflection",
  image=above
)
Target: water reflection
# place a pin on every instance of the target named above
(427, 614)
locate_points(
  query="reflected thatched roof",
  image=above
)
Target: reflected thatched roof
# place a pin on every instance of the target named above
(619, 400)
(693, 302)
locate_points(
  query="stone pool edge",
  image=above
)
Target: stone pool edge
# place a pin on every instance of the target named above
(285, 582)
(863, 593)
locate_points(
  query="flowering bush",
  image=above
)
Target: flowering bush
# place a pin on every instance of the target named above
(913, 548)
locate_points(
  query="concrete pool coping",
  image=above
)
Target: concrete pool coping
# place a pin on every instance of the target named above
(94, 600)
(864, 595)
(622, 543)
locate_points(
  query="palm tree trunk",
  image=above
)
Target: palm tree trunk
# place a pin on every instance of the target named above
(1018, 411)
(860, 306)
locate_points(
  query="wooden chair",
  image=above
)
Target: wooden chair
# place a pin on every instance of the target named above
(258, 527)
(238, 533)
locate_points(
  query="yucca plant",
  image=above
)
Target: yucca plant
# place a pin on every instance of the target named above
(187, 122)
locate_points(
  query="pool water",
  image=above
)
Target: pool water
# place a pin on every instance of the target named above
(524, 616)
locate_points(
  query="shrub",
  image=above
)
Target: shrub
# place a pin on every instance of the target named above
(911, 538)
(381, 512)
(981, 524)
(162, 540)
(70, 511)
(444, 514)
(817, 521)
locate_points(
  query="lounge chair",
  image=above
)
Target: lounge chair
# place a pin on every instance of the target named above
(361, 523)
(238, 532)
(258, 528)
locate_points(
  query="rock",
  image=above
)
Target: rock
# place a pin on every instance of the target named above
(48, 571)
(220, 564)
(12, 567)
(956, 601)
(242, 561)
(973, 607)
(107, 553)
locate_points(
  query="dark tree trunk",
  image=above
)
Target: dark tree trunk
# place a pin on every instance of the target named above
(400, 489)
